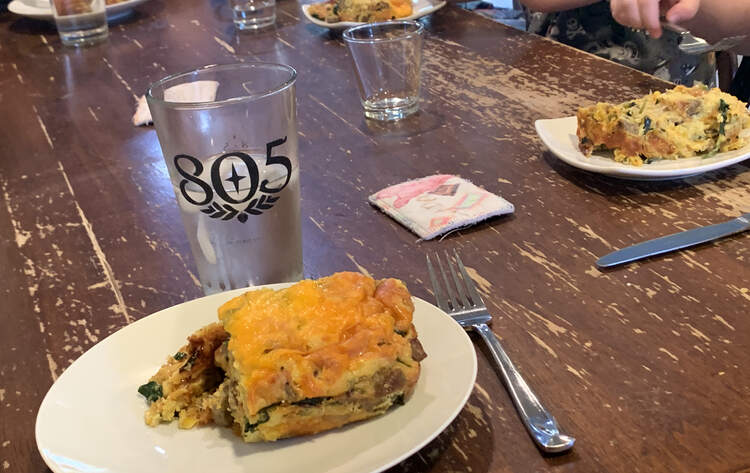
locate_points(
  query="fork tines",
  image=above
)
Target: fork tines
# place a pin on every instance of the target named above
(461, 293)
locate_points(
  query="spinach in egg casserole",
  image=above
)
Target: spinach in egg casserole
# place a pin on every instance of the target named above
(679, 123)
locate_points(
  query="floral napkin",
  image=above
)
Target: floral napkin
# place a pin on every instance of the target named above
(434, 205)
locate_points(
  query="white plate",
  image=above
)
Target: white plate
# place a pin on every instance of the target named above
(420, 8)
(559, 135)
(45, 13)
(91, 420)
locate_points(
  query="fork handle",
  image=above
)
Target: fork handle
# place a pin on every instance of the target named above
(541, 425)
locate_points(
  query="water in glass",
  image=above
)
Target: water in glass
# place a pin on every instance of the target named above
(80, 22)
(253, 14)
(230, 252)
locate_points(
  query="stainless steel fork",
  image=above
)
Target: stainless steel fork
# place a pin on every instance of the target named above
(693, 45)
(466, 306)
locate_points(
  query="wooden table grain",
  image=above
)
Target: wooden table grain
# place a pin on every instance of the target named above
(645, 364)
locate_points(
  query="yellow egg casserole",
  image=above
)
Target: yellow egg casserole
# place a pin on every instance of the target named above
(679, 123)
(334, 11)
(301, 360)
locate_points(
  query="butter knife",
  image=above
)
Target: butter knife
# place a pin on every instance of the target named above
(675, 241)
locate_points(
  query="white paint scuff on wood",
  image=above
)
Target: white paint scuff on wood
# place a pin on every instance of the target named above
(100, 256)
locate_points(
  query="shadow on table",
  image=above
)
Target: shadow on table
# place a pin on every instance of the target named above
(494, 222)
(31, 26)
(503, 398)
(476, 452)
(611, 186)
(133, 16)
(420, 122)
(471, 440)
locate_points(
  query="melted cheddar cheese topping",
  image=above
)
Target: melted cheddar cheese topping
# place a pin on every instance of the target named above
(316, 338)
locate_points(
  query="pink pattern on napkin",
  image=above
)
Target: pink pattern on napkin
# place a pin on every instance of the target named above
(437, 204)
(408, 190)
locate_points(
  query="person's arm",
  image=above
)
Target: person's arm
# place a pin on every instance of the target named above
(556, 5)
(709, 19)
(718, 19)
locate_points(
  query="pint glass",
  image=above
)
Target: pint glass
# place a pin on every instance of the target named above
(229, 138)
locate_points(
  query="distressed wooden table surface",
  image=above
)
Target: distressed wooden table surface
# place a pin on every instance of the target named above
(646, 365)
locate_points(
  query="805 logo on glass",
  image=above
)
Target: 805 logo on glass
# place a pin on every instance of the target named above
(233, 186)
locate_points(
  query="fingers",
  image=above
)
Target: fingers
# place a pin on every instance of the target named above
(626, 13)
(683, 10)
(639, 14)
(649, 10)
(644, 14)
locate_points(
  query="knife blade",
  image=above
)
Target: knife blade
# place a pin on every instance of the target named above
(675, 241)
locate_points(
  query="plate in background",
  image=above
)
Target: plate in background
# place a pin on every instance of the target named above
(559, 135)
(420, 8)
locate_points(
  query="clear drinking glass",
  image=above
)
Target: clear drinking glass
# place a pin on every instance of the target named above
(80, 22)
(229, 137)
(388, 61)
(253, 14)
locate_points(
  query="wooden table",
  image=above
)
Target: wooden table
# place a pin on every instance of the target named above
(646, 365)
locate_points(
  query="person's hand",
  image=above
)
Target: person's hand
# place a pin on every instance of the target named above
(644, 14)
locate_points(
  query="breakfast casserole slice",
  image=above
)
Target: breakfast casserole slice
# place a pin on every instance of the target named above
(312, 357)
(316, 356)
(679, 123)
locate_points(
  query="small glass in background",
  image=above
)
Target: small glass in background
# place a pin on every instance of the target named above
(80, 22)
(388, 61)
(253, 14)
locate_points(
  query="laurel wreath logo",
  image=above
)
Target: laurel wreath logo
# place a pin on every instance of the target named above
(254, 207)
(192, 171)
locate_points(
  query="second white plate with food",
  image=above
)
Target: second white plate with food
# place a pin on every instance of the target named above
(559, 135)
(91, 420)
(114, 10)
(420, 8)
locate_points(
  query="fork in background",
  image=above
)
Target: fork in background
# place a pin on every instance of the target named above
(693, 45)
(464, 304)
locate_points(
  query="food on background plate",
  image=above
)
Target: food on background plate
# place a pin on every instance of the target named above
(364, 11)
(679, 123)
(76, 7)
(295, 361)
(83, 5)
